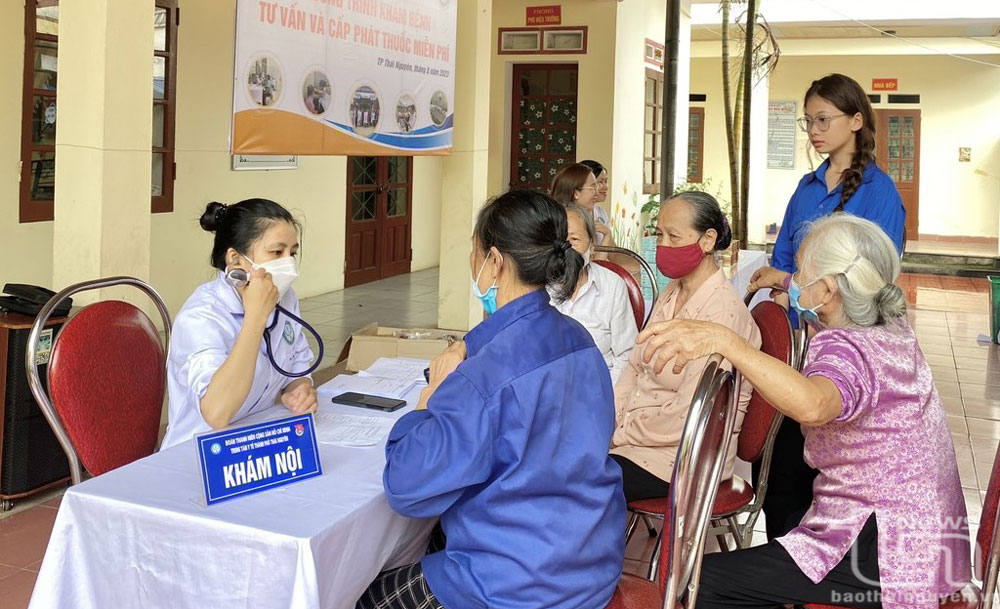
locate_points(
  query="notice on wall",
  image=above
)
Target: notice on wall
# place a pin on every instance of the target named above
(344, 77)
(781, 134)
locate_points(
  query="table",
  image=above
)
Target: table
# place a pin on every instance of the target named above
(141, 536)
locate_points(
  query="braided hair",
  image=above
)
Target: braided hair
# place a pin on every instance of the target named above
(848, 96)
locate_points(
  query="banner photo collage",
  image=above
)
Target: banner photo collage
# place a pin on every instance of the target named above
(344, 77)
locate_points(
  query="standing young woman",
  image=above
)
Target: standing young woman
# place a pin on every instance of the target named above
(509, 442)
(841, 124)
(218, 370)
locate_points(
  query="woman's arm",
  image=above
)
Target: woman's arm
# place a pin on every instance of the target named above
(811, 401)
(231, 384)
(623, 329)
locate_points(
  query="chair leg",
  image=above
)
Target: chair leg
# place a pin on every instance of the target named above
(654, 561)
(739, 534)
(649, 525)
(633, 519)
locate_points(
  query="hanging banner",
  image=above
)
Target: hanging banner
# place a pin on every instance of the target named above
(344, 77)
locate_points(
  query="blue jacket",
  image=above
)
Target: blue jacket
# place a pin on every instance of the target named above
(512, 454)
(876, 199)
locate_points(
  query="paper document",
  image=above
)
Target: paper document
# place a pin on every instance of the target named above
(350, 430)
(399, 367)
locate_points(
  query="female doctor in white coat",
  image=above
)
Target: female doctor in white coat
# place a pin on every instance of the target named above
(218, 371)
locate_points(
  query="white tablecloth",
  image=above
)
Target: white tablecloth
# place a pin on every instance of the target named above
(141, 536)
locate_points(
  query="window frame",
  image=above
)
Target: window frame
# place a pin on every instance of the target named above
(698, 176)
(652, 184)
(164, 202)
(29, 209)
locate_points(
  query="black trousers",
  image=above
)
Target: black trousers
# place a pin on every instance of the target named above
(790, 481)
(765, 577)
(639, 483)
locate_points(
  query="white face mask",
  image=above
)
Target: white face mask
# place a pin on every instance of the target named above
(586, 256)
(283, 272)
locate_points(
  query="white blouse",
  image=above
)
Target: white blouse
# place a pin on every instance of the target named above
(603, 308)
(202, 336)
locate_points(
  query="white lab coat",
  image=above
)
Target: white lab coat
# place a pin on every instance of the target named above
(203, 334)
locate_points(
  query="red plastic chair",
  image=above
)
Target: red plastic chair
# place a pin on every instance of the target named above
(106, 379)
(697, 470)
(634, 290)
(632, 287)
(756, 439)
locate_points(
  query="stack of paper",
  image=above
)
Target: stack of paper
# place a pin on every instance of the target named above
(350, 430)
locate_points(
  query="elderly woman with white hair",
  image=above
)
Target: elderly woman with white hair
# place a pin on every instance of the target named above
(887, 526)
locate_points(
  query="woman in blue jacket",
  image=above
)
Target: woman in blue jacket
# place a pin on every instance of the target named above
(841, 124)
(509, 442)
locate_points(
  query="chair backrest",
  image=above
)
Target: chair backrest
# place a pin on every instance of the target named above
(106, 379)
(695, 480)
(631, 286)
(761, 418)
(643, 268)
(987, 550)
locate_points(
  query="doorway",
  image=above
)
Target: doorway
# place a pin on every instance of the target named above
(543, 123)
(379, 218)
(897, 152)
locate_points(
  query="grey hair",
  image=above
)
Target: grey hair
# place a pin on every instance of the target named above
(865, 264)
(705, 214)
(587, 217)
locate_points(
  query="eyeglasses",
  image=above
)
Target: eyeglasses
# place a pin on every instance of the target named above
(821, 122)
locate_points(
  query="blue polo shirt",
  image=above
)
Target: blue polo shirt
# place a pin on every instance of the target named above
(876, 199)
(512, 454)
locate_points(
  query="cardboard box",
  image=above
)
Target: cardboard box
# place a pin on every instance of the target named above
(375, 341)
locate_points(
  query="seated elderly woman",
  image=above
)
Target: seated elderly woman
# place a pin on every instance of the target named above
(509, 442)
(600, 299)
(888, 522)
(651, 406)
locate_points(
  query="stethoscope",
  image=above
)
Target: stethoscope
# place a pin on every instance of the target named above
(239, 278)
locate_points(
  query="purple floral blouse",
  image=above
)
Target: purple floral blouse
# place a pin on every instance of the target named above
(889, 452)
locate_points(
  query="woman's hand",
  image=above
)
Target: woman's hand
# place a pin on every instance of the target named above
(300, 397)
(607, 238)
(767, 277)
(259, 297)
(442, 366)
(683, 340)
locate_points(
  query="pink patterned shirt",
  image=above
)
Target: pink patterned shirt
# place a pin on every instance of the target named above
(889, 452)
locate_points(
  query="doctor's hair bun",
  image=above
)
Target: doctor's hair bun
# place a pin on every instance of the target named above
(214, 212)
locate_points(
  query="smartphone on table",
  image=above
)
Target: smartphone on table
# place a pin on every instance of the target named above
(364, 400)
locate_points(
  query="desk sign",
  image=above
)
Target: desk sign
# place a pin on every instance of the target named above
(251, 459)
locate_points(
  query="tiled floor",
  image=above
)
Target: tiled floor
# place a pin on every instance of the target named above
(947, 313)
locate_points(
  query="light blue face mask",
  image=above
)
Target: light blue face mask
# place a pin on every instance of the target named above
(489, 298)
(807, 315)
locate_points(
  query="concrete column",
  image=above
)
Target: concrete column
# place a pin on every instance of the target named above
(464, 177)
(683, 94)
(103, 139)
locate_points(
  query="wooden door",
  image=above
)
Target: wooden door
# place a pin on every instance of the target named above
(379, 216)
(898, 154)
(543, 124)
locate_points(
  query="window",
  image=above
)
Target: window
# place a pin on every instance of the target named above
(651, 139)
(38, 116)
(542, 40)
(166, 18)
(696, 144)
